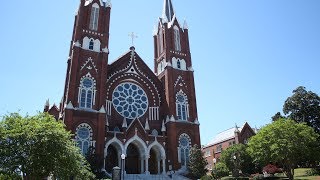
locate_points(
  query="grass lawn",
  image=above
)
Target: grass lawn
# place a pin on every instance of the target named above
(300, 173)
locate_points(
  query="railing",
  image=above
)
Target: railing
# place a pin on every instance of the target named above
(146, 177)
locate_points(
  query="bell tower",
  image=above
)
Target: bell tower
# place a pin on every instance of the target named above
(83, 103)
(173, 66)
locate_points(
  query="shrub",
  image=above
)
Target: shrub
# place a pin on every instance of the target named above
(206, 177)
(235, 178)
(271, 169)
(9, 176)
(220, 171)
(258, 177)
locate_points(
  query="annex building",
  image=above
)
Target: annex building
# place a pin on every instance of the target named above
(223, 140)
(125, 107)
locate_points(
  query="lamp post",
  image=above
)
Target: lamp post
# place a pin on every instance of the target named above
(235, 173)
(123, 156)
(214, 165)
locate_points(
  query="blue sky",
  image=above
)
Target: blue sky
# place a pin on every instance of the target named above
(248, 55)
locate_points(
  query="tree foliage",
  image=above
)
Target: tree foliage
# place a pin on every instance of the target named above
(197, 163)
(277, 116)
(286, 143)
(96, 166)
(220, 170)
(242, 162)
(304, 106)
(39, 146)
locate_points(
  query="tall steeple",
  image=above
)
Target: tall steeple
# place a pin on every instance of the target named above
(168, 11)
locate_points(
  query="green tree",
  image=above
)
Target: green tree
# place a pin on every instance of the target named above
(286, 143)
(303, 106)
(197, 163)
(277, 116)
(237, 158)
(220, 170)
(94, 163)
(39, 146)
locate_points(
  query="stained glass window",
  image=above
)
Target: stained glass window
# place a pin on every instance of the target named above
(184, 146)
(130, 100)
(86, 93)
(83, 137)
(181, 103)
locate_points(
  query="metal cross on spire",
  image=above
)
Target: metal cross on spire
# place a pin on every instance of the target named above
(133, 36)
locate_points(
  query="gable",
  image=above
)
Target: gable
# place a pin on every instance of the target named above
(130, 67)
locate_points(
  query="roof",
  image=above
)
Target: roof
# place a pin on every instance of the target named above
(168, 11)
(223, 136)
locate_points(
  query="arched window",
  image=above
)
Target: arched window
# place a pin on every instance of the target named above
(87, 88)
(160, 41)
(184, 149)
(84, 137)
(94, 17)
(178, 64)
(91, 44)
(182, 106)
(177, 45)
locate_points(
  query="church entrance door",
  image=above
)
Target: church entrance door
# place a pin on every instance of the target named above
(111, 159)
(133, 160)
(153, 162)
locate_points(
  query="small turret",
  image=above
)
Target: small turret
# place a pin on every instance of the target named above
(46, 106)
(236, 134)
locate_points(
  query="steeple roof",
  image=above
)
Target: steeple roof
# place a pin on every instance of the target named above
(168, 12)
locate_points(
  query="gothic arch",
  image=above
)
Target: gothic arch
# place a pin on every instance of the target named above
(139, 143)
(117, 143)
(178, 63)
(158, 147)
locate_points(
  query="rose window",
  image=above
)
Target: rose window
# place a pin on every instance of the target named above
(130, 100)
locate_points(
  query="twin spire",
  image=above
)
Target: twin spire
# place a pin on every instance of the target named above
(168, 12)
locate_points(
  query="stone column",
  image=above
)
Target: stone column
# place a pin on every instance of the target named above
(159, 165)
(141, 165)
(163, 165)
(147, 165)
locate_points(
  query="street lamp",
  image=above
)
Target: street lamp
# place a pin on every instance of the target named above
(123, 156)
(235, 166)
(214, 166)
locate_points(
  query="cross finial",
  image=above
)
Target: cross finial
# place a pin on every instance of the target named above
(133, 36)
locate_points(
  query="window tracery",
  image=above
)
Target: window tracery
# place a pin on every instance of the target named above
(130, 100)
(182, 106)
(86, 92)
(184, 149)
(84, 137)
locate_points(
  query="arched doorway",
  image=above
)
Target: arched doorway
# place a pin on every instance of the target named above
(133, 160)
(155, 164)
(112, 159)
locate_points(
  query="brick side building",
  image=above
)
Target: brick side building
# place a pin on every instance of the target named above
(125, 108)
(223, 140)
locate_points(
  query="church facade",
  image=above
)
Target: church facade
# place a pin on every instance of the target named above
(125, 109)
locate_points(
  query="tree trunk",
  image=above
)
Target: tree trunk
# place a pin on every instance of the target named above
(289, 172)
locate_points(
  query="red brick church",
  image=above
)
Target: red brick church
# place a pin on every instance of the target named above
(124, 107)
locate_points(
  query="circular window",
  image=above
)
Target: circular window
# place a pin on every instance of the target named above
(83, 133)
(184, 142)
(130, 100)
